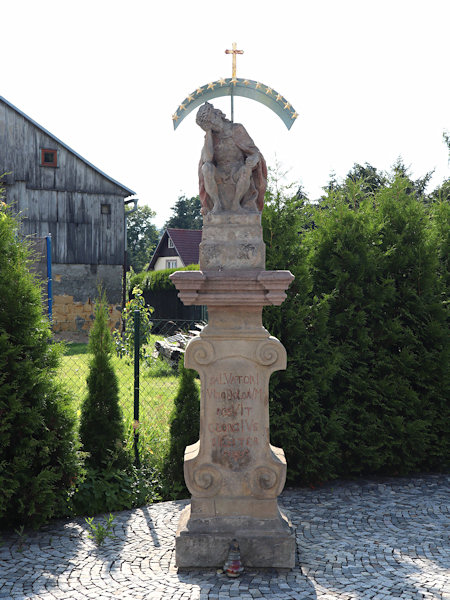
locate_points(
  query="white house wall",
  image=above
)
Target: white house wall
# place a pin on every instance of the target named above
(160, 263)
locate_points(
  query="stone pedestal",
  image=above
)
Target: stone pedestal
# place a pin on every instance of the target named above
(233, 472)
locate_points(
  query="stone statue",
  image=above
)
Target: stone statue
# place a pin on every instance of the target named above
(232, 171)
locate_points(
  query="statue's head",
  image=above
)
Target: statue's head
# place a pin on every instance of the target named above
(209, 117)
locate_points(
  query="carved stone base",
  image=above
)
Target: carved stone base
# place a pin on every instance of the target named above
(232, 241)
(262, 542)
(233, 472)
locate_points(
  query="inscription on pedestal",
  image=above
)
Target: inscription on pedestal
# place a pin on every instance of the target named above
(234, 431)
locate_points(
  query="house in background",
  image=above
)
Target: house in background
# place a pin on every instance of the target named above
(57, 191)
(177, 248)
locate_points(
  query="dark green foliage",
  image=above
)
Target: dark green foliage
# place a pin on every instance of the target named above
(184, 431)
(112, 489)
(39, 462)
(112, 482)
(156, 281)
(142, 237)
(186, 214)
(101, 426)
(365, 328)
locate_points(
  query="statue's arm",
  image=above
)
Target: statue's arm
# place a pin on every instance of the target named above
(247, 145)
(208, 148)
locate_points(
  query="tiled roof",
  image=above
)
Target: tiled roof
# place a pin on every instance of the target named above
(186, 242)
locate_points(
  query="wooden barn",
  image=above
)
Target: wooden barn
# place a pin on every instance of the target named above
(57, 191)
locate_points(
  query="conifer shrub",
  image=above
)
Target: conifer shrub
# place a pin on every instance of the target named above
(365, 326)
(102, 431)
(184, 431)
(39, 459)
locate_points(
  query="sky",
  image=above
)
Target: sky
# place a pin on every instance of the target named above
(369, 80)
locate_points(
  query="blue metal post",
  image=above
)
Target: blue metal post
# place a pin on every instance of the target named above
(49, 277)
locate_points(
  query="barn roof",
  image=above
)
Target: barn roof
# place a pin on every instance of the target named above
(186, 244)
(124, 188)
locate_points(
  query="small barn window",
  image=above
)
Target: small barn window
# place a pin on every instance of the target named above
(170, 243)
(171, 264)
(105, 209)
(48, 158)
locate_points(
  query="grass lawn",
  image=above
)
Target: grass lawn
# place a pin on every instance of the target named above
(158, 388)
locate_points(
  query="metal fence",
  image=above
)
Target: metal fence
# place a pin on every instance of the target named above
(147, 381)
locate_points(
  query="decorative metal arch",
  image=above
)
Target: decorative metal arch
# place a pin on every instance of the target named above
(233, 86)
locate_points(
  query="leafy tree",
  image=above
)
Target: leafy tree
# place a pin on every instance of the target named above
(101, 426)
(39, 459)
(186, 214)
(142, 237)
(184, 430)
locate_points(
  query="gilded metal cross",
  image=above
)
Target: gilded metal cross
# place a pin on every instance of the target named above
(234, 52)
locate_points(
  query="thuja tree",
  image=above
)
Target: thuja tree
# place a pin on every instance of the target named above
(184, 431)
(411, 374)
(300, 423)
(365, 330)
(101, 426)
(38, 450)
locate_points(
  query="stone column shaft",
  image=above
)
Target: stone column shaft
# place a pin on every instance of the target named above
(233, 472)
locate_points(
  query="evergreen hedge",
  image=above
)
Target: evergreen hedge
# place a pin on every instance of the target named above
(184, 431)
(39, 460)
(155, 281)
(366, 329)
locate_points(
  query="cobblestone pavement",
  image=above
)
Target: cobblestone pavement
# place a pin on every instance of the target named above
(378, 539)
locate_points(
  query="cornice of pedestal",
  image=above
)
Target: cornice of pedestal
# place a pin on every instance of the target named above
(232, 287)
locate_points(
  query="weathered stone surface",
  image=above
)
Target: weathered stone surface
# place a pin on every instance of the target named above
(263, 542)
(233, 472)
(232, 241)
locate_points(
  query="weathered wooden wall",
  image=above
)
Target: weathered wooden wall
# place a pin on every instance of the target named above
(20, 145)
(81, 234)
(64, 200)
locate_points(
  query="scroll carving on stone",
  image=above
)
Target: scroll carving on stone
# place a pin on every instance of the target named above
(200, 352)
(206, 480)
(232, 171)
(269, 352)
(263, 481)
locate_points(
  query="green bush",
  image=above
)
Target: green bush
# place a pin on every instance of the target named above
(39, 459)
(112, 489)
(156, 281)
(111, 482)
(102, 431)
(184, 431)
(365, 325)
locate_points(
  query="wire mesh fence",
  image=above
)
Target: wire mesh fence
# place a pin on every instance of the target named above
(156, 377)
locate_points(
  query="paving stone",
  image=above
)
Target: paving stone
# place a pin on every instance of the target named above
(361, 540)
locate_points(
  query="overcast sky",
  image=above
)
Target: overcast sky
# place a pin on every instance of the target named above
(369, 80)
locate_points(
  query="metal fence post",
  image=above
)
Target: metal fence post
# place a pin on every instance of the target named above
(137, 337)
